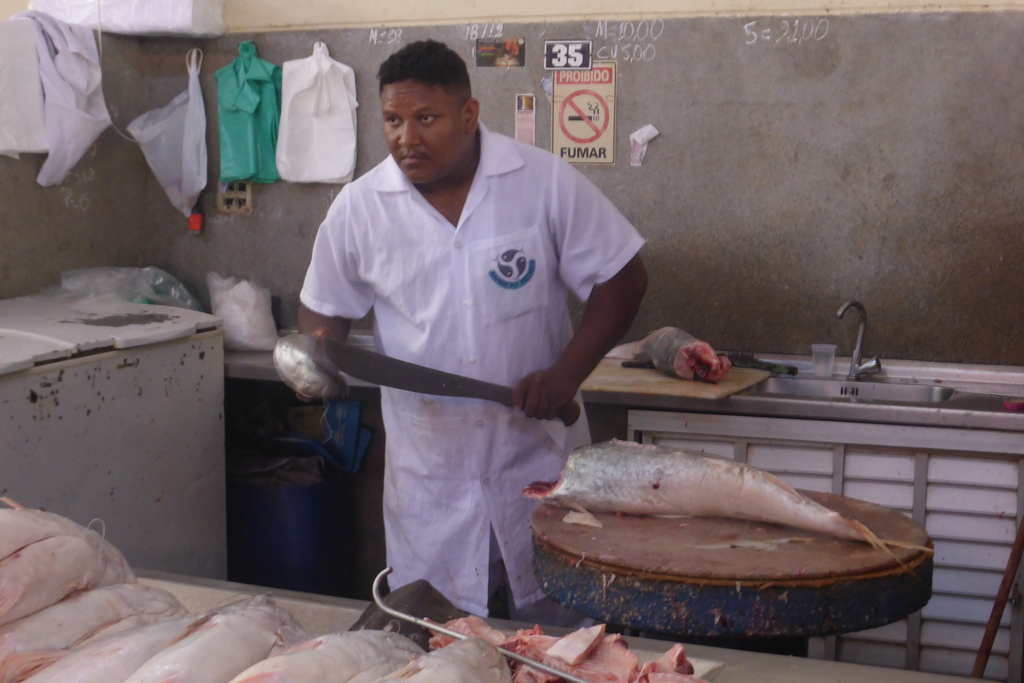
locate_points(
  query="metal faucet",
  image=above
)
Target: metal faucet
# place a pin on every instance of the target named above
(856, 367)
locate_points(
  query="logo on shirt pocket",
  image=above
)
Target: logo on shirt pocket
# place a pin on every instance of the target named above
(510, 276)
(513, 269)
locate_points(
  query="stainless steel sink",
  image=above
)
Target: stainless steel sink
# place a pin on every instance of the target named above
(844, 390)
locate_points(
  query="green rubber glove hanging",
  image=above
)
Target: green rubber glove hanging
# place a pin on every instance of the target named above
(249, 112)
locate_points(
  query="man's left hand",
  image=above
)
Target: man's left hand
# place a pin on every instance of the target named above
(543, 394)
(607, 316)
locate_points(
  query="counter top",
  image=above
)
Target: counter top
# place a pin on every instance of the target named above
(976, 404)
(323, 614)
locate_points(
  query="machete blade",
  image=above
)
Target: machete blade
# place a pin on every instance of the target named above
(377, 368)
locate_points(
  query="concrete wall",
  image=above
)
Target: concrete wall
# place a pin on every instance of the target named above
(264, 15)
(256, 15)
(92, 218)
(880, 162)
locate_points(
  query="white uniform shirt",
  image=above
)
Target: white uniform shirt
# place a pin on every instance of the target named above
(485, 299)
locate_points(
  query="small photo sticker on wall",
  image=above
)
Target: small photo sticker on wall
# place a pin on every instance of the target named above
(526, 123)
(500, 51)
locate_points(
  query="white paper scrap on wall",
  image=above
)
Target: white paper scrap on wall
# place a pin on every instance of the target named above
(316, 142)
(638, 140)
(22, 121)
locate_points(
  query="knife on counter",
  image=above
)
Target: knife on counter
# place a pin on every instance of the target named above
(745, 359)
(377, 368)
(739, 359)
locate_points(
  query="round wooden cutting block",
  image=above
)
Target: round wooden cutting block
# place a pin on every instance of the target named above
(726, 577)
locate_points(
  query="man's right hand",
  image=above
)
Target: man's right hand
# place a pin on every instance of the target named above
(318, 334)
(320, 327)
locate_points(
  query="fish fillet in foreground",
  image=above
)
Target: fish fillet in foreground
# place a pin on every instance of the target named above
(231, 640)
(351, 657)
(41, 638)
(621, 476)
(45, 557)
(467, 661)
(114, 659)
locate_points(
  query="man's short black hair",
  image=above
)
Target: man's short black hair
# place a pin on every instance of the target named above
(429, 62)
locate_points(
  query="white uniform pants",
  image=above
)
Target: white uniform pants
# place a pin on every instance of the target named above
(546, 612)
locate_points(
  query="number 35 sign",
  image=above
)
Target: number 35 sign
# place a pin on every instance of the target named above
(567, 54)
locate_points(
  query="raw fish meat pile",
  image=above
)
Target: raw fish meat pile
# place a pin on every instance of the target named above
(587, 653)
(676, 353)
(71, 611)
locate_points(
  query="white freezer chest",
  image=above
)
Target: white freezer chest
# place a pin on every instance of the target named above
(114, 411)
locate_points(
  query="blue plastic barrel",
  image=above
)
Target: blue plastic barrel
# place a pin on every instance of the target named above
(293, 537)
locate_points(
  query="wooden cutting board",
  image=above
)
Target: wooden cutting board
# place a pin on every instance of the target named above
(610, 376)
(734, 549)
(704, 576)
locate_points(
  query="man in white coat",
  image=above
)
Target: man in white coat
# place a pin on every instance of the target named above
(466, 244)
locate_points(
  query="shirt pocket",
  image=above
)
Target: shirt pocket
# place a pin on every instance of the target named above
(509, 275)
(428, 439)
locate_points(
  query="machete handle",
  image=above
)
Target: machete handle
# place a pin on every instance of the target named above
(569, 413)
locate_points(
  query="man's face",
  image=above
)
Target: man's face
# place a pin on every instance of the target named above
(430, 131)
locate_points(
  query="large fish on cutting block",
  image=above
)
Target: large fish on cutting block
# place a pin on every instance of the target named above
(621, 476)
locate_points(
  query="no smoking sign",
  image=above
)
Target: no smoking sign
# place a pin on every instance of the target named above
(583, 129)
(584, 116)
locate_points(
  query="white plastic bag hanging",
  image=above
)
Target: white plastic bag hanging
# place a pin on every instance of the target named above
(173, 139)
(317, 139)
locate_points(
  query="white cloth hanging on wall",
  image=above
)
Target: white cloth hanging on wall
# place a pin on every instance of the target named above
(140, 17)
(76, 114)
(317, 139)
(22, 121)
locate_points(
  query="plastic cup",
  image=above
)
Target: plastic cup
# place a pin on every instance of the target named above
(824, 359)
